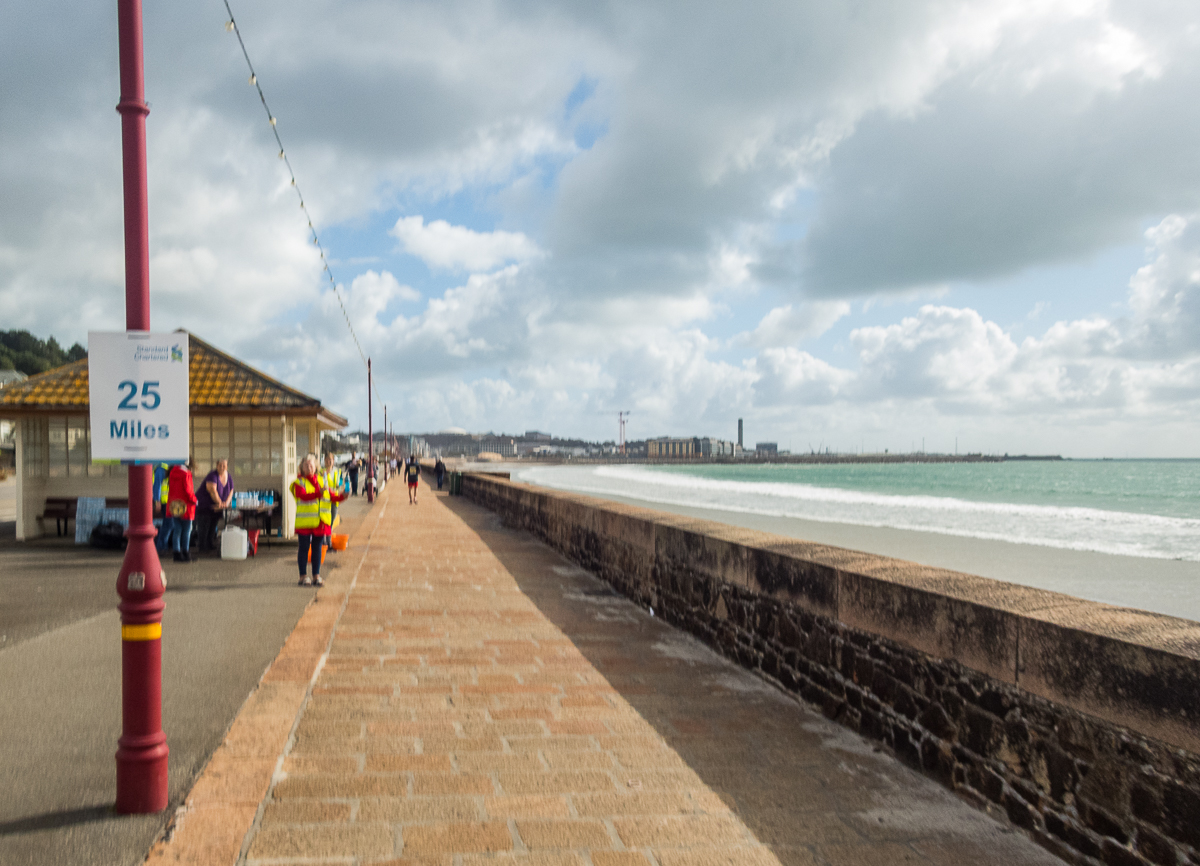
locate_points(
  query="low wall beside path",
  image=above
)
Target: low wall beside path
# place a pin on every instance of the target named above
(1080, 721)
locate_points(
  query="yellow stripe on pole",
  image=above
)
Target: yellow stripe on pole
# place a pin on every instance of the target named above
(148, 631)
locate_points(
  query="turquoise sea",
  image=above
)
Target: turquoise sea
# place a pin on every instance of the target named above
(1143, 508)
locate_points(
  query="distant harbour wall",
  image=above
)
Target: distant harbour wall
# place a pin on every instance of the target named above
(1079, 721)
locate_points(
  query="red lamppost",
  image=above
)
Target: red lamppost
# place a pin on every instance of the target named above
(370, 441)
(142, 748)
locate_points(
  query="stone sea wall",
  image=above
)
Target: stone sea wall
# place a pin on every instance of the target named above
(1077, 720)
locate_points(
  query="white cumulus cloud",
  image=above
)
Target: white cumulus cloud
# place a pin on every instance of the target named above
(457, 248)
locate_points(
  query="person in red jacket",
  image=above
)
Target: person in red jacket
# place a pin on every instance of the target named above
(181, 505)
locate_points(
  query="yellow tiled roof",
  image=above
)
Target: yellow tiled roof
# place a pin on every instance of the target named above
(63, 386)
(216, 381)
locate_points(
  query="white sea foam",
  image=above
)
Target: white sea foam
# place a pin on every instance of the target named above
(1071, 528)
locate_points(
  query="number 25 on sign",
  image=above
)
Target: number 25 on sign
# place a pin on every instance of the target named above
(138, 387)
(148, 390)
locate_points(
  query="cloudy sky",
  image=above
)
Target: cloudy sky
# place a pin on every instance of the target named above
(858, 225)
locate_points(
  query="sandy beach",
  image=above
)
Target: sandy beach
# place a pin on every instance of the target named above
(1161, 585)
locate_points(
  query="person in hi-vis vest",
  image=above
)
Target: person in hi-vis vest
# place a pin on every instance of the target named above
(312, 519)
(332, 480)
(159, 495)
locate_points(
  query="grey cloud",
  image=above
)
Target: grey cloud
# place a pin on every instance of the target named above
(985, 184)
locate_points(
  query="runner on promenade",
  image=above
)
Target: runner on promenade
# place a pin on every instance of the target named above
(412, 472)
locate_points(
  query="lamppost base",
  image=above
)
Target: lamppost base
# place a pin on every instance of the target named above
(142, 774)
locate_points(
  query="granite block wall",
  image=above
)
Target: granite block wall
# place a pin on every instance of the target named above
(1079, 722)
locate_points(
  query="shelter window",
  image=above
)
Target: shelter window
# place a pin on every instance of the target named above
(210, 442)
(57, 450)
(79, 457)
(202, 445)
(268, 446)
(277, 450)
(289, 449)
(64, 448)
(33, 447)
(253, 446)
(241, 456)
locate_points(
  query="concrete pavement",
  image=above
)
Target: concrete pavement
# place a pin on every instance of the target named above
(465, 696)
(60, 674)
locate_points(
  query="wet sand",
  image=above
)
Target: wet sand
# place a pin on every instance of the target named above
(1160, 585)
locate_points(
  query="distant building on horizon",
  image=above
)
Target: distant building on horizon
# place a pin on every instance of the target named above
(692, 446)
(665, 446)
(766, 449)
(537, 436)
(503, 445)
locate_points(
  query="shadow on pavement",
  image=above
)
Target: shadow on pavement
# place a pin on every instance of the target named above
(51, 820)
(811, 790)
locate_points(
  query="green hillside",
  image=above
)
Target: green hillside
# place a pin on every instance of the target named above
(20, 350)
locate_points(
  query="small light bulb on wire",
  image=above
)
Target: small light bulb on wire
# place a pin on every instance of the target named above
(281, 153)
(254, 79)
(272, 121)
(229, 25)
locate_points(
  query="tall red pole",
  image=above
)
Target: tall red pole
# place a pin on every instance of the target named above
(142, 748)
(370, 439)
(387, 457)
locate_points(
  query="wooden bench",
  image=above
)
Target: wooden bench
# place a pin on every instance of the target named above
(63, 508)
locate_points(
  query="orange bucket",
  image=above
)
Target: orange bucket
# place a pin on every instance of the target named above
(322, 547)
(340, 541)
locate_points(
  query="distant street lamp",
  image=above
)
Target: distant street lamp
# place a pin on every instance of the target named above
(370, 440)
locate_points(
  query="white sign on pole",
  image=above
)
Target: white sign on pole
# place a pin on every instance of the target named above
(138, 385)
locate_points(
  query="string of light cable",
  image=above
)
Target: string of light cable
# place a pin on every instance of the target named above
(231, 25)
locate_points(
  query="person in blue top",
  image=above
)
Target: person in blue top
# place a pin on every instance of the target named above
(213, 497)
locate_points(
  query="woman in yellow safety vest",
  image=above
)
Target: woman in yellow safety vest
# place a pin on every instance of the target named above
(310, 528)
(331, 482)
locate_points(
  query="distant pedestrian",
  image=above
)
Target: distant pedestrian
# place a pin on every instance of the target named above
(412, 472)
(181, 507)
(352, 466)
(213, 497)
(439, 469)
(311, 529)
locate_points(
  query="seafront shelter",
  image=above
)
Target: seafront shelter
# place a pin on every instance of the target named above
(236, 411)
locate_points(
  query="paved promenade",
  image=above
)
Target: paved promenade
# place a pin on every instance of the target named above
(460, 695)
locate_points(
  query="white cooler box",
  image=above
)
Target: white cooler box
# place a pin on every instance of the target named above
(235, 544)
